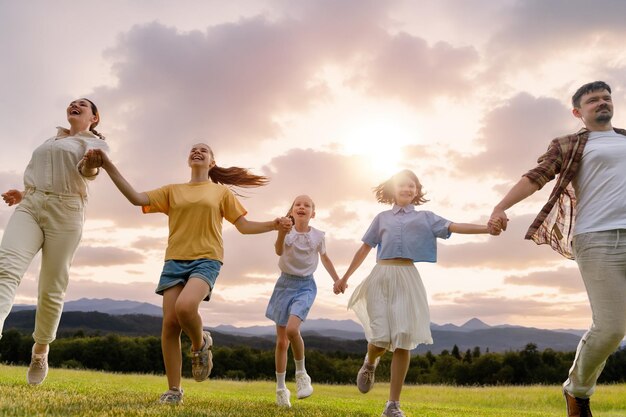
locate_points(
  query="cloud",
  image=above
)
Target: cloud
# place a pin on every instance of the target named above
(106, 256)
(408, 68)
(565, 280)
(535, 29)
(508, 251)
(327, 177)
(145, 243)
(514, 135)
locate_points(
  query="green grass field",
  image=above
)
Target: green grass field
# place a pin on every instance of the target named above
(88, 393)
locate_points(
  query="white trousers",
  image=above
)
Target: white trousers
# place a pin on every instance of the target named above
(53, 224)
(601, 258)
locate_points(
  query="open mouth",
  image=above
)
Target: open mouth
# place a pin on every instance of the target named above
(74, 111)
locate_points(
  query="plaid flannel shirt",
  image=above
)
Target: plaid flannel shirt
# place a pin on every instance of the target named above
(554, 224)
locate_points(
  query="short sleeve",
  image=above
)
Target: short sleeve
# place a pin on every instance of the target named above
(439, 225)
(372, 236)
(230, 207)
(159, 200)
(93, 143)
(321, 248)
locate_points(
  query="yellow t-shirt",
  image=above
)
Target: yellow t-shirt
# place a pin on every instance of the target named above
(195, 212)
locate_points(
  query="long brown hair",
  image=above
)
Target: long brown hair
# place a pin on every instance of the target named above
(385, 191)
(236, 176)
(96, 113)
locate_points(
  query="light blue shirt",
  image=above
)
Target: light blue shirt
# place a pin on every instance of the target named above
(403, 232)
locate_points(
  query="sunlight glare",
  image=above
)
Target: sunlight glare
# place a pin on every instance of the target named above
(380, 141)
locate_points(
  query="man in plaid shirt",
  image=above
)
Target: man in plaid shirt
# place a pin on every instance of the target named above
(585, 219)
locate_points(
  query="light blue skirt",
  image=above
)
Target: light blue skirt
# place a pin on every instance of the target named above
(293, 296)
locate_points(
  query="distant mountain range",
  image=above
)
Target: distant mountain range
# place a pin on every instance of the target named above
(135, 318)
(104, 305)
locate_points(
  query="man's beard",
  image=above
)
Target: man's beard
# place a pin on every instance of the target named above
(604, 117)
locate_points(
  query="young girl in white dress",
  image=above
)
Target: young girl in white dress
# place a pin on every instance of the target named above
(391, 302)
(299, 250)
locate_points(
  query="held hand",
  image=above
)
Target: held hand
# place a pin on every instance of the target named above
(284, 224)
(340, 286)
(12, 197)
(93, 158)
(497, 221)
(495, 227)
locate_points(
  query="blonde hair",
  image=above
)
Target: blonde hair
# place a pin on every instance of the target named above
(294, 202)
(385, 191)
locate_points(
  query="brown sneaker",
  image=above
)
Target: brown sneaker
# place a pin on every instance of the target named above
(38, 368)
(365, 377)
(202, 360)
(577, 407)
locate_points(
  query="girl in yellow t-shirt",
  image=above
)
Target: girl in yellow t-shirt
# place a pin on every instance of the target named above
(194, 253)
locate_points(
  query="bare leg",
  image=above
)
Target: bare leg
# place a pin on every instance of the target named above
(294, 336)
(373, 353)
(282, 345)
(399, 367)
(187, 306)
(170, 337)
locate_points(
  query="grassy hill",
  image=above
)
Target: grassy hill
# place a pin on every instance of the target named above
(84, 393)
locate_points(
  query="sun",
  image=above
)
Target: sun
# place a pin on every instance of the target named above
(379, 140)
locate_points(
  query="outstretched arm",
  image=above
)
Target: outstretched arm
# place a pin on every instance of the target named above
(247, 227)
(135, 198)
(360, 255)
(330, 268)
(523, 189)
(468, 228)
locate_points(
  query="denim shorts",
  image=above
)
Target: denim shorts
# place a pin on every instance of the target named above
(293, 296)
(178, 273)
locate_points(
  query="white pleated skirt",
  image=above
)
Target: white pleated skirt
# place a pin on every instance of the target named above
(392, 306)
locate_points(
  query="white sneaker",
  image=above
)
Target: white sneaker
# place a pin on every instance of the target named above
(303, 385)
(282, 398)
(393, 410)
(172, 396)
(38, 368)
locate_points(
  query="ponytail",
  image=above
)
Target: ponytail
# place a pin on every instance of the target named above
(236, 176)
(95, 111)
(95, 132)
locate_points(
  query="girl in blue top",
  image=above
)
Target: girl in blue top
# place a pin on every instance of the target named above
(391, 302)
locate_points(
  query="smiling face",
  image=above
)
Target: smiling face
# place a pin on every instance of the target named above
(80, 113)
(201, 156)
(596, 108)
(404, 190)
(302, 209)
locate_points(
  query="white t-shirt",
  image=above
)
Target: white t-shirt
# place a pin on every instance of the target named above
(600, 184)
(300, 252)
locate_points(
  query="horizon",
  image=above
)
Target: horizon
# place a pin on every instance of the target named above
(353, 320)
(327, 98)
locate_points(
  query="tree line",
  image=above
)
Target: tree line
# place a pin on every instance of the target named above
(114, 353)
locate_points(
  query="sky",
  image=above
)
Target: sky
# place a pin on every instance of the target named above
(327, 98)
